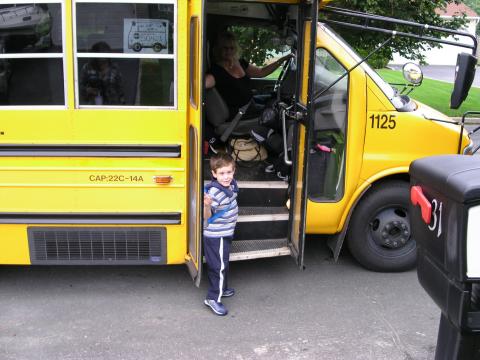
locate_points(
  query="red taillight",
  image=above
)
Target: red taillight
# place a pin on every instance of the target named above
(417, 197)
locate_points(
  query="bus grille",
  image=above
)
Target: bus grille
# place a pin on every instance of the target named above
(95, 245)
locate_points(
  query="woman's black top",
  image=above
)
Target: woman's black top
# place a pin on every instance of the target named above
(235, 91)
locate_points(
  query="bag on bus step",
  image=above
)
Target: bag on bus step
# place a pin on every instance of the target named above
(247, 150)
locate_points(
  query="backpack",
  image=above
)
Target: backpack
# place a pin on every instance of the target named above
(247, 150)
(227, 192)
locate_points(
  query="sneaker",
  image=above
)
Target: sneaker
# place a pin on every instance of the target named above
(281, 176)
(228, 292)
(217, 307)
(270, 168)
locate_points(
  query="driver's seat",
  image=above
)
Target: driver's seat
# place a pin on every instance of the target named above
(217, 114)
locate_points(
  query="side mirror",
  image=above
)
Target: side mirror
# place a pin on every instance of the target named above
(464, 75)
(412, 73)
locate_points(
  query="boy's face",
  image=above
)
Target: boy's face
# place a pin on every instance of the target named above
(224, 175)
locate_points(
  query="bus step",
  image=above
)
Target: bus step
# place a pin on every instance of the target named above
(254, 249)
(256, 214)
(261, 223)
(262, 193)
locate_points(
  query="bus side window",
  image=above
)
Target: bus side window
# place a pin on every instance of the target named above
(31, 70)
(135, 66)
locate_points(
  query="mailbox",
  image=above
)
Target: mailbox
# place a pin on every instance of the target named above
(445, 220)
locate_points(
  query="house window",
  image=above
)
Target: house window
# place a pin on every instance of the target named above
(125, 58)
(31, 54)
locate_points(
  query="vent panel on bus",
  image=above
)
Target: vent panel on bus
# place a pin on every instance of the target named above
(95, 245)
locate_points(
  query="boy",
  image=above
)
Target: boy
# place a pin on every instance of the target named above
(220, 211)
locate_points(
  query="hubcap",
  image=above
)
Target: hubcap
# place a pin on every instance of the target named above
(390, 228)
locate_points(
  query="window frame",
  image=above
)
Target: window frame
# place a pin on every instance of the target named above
(323, 199)
(59, 55)
(193, 68)
(90, 55)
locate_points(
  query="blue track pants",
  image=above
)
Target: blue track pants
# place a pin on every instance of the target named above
(217, 255)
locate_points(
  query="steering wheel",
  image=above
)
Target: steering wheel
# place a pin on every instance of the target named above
(290, 64)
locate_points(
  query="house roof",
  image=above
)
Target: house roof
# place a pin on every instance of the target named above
(456, 9)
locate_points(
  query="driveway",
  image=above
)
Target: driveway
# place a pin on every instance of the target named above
(328, 311)
(441, 72)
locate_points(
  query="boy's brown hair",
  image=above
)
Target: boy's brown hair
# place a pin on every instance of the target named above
(220, 160)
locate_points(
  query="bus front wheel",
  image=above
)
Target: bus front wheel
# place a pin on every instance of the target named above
(379, 236)
(137, 47)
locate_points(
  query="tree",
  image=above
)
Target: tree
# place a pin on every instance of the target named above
(257, 44)
(421, 11)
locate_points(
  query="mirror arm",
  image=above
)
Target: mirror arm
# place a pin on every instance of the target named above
(471, 132)
(441, 120)
(367, 17)
(466, 114)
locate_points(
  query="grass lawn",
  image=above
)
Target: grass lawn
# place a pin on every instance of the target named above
(436, 93)
(433, 93)
(274, 75)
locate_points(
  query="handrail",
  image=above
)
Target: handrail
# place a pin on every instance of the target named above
(465, 114)
(284, 128)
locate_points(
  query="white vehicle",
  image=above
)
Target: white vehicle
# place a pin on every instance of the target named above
(148, 33)
(24, 19)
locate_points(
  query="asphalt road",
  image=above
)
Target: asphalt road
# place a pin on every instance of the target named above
(446, 73)
(329, 311)
(443, 73)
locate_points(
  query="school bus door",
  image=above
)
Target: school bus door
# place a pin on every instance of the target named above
(195, 186)
(300, 143)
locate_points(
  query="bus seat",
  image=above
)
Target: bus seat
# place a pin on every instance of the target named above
(217, 114)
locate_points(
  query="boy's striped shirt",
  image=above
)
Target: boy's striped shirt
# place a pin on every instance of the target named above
(225, 224)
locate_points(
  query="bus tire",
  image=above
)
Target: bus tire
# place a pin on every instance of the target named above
(137, 47)
(157, 47)
(379, 237)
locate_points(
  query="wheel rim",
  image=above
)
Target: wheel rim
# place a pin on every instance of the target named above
(389, 230)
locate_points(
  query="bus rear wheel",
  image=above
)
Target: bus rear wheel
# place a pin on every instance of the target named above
(379, 236)
(157, 47)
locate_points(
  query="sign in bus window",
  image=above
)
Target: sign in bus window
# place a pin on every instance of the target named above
(31, 54)
(146, 36)
(126, 58)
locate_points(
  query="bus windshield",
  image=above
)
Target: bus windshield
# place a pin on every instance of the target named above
(401, 102)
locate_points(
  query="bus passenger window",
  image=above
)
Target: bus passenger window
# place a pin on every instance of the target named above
(128, 57)
(31, 54)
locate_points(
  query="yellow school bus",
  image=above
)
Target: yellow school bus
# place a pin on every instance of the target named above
(102, 131)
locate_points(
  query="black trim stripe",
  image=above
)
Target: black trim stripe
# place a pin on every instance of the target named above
(91, 218)
(155, 151)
